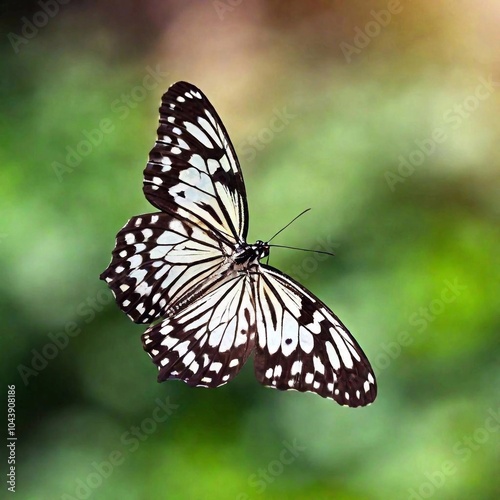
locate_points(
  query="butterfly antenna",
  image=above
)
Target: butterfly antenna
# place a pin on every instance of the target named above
(304, 249)
(283, 228)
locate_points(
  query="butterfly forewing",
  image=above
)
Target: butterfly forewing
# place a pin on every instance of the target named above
(158, 261)
(193, 170)
(190, 265)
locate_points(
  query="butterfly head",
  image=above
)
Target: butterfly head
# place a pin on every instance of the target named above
(261, 249)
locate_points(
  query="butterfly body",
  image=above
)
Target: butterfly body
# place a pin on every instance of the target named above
(190, 266)
(249, 255)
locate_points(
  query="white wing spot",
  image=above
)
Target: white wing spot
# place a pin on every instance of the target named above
(138, 275)
(135, 261)
(169, 342)
(198, 134)
(306, 340)
(332, 355)
(342, 348)
(318, 365)
(143, 289)
(296, 367)
(216, 367)
(166, 162)
(182, 348)
(189, 358)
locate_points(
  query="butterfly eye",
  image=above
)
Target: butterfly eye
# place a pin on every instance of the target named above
(189, 264)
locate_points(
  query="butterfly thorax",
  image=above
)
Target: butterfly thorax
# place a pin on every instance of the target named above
(246, 256)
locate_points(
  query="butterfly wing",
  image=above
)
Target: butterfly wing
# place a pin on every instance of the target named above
(159, 262)
(193, 171)
(302, 345)
(194, 178)
(207, 342)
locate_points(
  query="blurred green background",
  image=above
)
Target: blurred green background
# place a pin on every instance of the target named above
(383, 117)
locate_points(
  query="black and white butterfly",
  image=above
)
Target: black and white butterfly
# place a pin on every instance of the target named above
(190, 265)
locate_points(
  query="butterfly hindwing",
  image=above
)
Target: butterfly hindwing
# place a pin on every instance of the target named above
(207, 342)
(193, 170)
(302, 345)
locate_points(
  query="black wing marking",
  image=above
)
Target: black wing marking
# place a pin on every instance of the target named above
(193, 170)
(302, 345)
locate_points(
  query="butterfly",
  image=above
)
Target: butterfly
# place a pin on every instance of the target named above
(189, 272)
